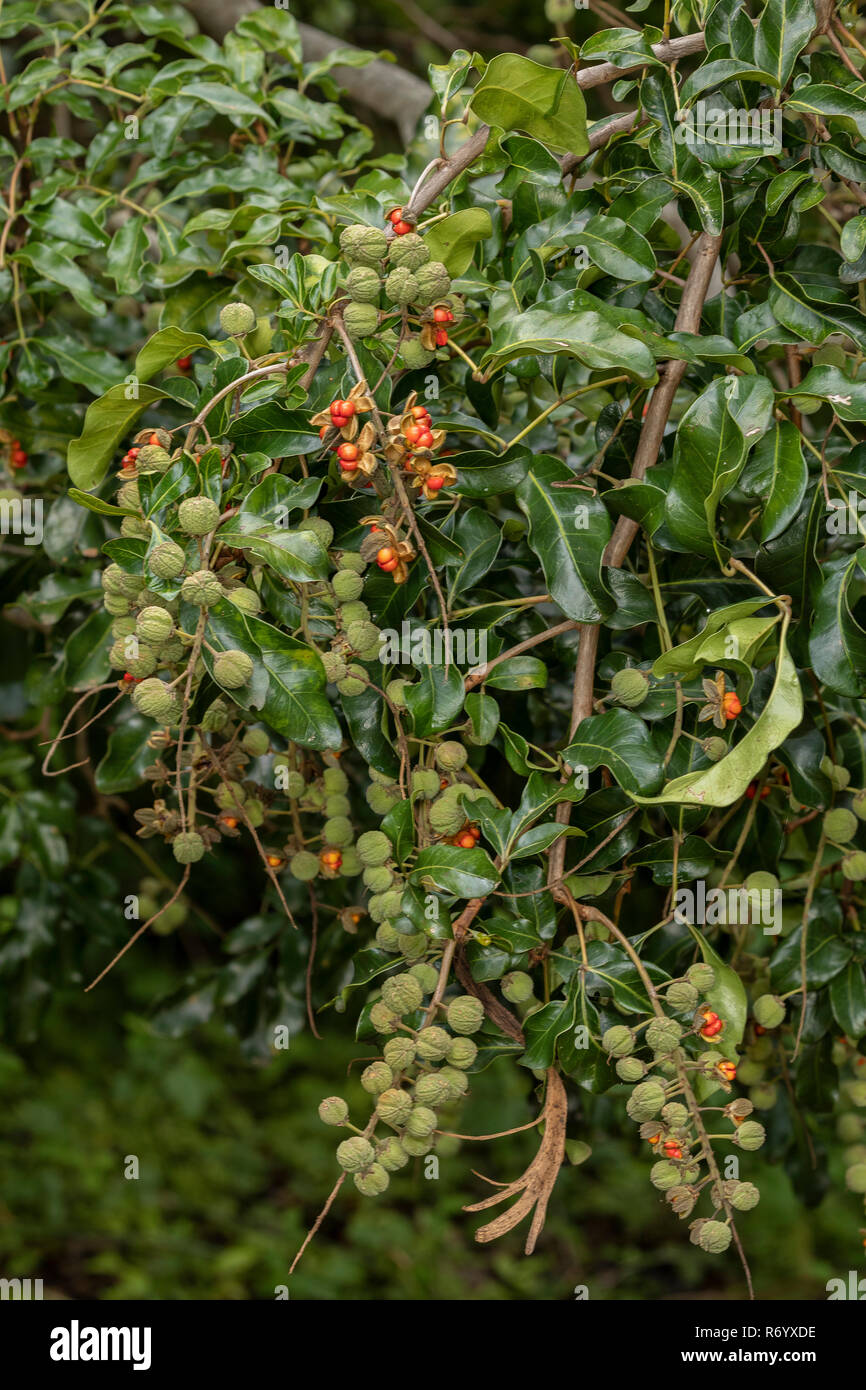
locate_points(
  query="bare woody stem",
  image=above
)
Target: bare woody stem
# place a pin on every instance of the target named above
(671, 374)
(480, 675)
(274, 369)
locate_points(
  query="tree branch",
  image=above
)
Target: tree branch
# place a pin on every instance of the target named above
(688, 321)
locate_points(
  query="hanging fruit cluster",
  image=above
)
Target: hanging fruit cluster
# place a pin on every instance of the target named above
(663, 1101)
(397, 279)
(421, 1072)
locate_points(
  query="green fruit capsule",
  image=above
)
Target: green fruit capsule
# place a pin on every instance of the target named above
(403, 994)
(355, 1153)
(376, 1078)
(630, 687)
(333, 1111)
(714, 1237)
(840, 825)
(769, 1010)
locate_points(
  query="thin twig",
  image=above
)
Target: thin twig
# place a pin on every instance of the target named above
(132, 940)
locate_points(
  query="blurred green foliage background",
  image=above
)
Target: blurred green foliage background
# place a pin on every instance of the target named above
(234, 1165)
(233, 1162)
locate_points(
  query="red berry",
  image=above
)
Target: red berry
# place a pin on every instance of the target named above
(441, 337)
(184, 363)
(441, 315)
(348, 452)
(731, 705)
(413, 433)
(395, 215)
(466, 840)
(385, 556)
(401, 228)
(435, 483)
(420, 412)
(154, 438)
(132, 453)
(425, 440)
(331, 859)
(19, 458)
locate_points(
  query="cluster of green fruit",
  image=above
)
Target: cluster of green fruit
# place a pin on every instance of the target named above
(422, 1071)
(850, 1126)
(145, 628)
(403, 271)
(356, 638)
(663, 1102)
(324, 795)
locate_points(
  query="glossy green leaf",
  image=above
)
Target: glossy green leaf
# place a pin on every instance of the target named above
(288, 684)
(617, 249)
(127, 756)
(107, 423)
(778, 473)
(726, 781)
(518, 673)
(620, 741)
(685, 657)
(827, 954)
(453, 240)
(164, 348)
(782, 32)
(585, 335)
(727, 997)
(848, 1000)
(568, 530)
(837, 642)
(709, 454)
(543, 1029)
(517, 94)
(468, 873)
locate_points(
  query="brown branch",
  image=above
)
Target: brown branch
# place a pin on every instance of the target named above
(429, 191)
(493, 1007)
(842, 54)
(313, 354)
(536, 1184)
(668, 51)
(671, 373)
(478, 676)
